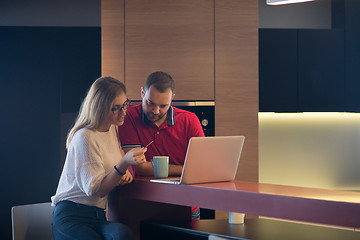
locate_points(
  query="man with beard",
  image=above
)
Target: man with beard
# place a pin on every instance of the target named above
(156, 120)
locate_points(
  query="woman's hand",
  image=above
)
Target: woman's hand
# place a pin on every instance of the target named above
(126, 178)
(135, 156)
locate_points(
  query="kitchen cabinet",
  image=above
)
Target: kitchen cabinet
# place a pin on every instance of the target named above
(302, 70)
(278, 85)
(112, 41)
(236, 78)
(321, 73)
(172, 36)
(352, 55)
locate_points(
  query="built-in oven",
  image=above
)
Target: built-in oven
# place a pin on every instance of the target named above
(204, 110)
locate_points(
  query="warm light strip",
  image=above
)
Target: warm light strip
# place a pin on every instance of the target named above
(281, 2)
(310, 115)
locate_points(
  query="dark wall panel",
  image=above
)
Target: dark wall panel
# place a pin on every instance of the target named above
(81, 50)
(42, 71)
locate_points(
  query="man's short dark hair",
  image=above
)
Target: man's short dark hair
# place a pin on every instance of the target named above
(161, 81)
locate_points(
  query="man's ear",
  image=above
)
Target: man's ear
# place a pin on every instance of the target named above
(142, 92)
(173, 96)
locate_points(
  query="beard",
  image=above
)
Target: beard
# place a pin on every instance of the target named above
(154, 117)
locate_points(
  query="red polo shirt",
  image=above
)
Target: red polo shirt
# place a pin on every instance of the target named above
(170, 139)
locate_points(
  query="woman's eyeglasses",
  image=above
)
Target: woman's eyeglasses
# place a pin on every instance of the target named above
(123, 107)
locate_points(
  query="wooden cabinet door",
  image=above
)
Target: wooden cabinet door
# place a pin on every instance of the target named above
(112, 41)
(236, 79)
(172, 36)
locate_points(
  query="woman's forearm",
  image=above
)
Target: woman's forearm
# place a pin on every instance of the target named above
(111, 180)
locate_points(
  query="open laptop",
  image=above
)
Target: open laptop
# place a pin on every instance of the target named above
(209, 159)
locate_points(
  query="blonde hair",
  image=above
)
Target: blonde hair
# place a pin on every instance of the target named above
(96, 105)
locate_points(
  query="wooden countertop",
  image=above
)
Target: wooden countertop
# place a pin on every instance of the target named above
(340, 208)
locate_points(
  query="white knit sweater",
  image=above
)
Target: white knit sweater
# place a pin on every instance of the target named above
(91, 156)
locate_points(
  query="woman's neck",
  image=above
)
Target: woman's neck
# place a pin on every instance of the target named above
(103, 128)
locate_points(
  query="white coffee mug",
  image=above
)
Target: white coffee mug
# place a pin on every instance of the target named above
(160, 165)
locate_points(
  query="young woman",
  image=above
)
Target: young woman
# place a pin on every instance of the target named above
(94, 166)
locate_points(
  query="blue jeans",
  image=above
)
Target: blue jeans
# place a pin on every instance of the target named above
(77, 221)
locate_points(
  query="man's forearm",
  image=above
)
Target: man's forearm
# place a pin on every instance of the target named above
(145, 169)
(175, 170)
